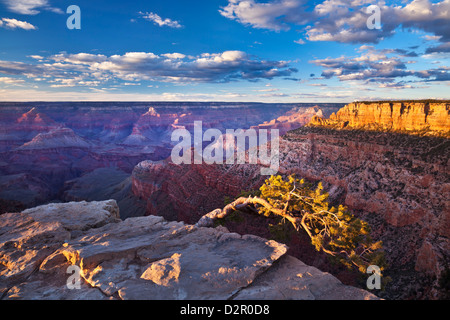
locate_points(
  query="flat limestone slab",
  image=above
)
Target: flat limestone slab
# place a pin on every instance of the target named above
(146, 258)
(149, 258)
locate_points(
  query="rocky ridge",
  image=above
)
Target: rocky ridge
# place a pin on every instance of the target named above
(147, 258)
(426, 117)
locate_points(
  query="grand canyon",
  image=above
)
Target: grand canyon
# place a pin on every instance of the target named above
(239, 151)
(75, 175)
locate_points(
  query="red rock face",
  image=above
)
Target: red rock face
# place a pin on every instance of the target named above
(398, 182)
(185, 192)
(432, 117)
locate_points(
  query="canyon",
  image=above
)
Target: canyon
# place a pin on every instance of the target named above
(44, 147)
(147, 258)
(388, 162)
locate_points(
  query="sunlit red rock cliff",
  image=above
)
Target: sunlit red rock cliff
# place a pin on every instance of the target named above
(429, 117)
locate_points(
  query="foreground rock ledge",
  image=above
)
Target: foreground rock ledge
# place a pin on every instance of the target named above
(147, 258)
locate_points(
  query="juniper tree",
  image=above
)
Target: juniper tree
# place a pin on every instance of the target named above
(333, 230)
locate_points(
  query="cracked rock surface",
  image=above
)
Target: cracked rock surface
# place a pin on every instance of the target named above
(146, 258)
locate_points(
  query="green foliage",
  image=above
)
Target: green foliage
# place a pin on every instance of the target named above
(281, 231)
(332, 230)
(233, 217)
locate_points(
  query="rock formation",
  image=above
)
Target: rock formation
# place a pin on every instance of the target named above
(56, 139)
(397, 182)
(147, 258)
(431, 117)
(292, 119)
(387, 161)
(104, 184)
(186, 192)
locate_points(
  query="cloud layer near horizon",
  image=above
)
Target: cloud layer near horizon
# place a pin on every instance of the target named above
(85, 69)
(382, 67)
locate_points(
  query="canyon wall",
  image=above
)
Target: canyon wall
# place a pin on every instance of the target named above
(398, 182)
(44, 145)
(431, 117)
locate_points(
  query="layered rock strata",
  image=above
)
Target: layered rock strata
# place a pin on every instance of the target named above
(50, 143)
(430, 117)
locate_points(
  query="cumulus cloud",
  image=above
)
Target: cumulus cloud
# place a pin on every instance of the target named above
(275, 15)
(29, 7)
(174, 55)
(16, 24)
(9, 80)
(383, 67)
(85, 69)
(157, 20)
(342, 20)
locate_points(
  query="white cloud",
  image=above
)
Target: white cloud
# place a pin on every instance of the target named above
(383, 67)
(174, 55)
(157, 20)
(274, 15)
(300, 41)
(342, 20)
(85, 69)
(30, 7)
(95, 94)
(9, 80)
(37, 57)
(432, 38)
(16, 24)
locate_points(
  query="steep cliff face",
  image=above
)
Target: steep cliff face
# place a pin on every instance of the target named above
(186, 192)
(399, 183)
(429, 116)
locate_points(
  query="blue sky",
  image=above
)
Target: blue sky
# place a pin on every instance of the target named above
(227, 50)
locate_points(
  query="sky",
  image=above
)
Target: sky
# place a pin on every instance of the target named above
(284, 51)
